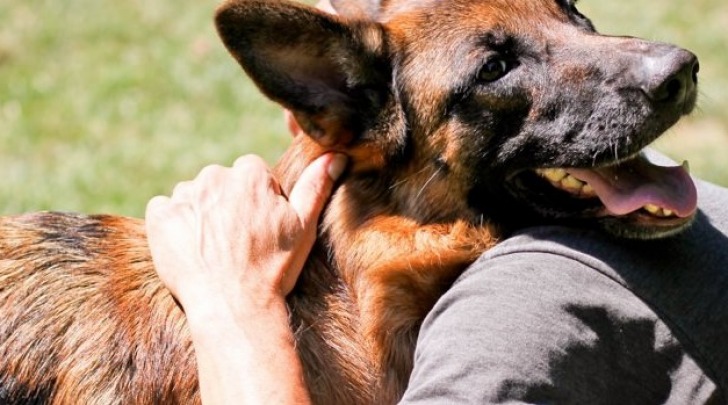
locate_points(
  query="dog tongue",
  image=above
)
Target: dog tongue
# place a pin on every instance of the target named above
(631, 185)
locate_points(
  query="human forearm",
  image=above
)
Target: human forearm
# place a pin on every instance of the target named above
(244, 361)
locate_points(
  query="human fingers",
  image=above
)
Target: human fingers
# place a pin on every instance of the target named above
(255, 166)
(192, 192)
(250, 160)
(168, 227)
(307, 199)
(156, 202)
(314, 187)
(159, 209)
(182, 190)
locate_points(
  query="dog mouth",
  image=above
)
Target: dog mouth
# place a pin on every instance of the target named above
(633, 197)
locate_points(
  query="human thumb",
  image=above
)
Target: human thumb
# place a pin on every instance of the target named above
(314, 186)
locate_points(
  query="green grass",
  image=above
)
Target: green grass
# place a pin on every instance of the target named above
(104, 103)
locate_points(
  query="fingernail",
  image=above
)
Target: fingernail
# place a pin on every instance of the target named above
(337, 166)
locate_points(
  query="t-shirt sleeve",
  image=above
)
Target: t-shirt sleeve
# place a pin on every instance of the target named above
(541, 328)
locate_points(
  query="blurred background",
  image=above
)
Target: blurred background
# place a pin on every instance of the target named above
(105, 103)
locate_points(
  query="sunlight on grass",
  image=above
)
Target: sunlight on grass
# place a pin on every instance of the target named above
(104, 104)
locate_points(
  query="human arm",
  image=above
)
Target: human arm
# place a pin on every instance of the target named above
(538, 327)
(230, 247)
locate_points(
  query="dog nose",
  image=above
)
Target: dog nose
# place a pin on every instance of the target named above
(670, 76)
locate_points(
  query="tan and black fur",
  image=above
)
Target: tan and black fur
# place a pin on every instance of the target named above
(441, 105)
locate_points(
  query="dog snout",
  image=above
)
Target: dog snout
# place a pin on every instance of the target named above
(670, 76)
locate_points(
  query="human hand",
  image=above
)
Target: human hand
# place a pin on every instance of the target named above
(230, 246)
(229, 237)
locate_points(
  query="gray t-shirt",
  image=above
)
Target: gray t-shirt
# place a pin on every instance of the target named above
(567, 316)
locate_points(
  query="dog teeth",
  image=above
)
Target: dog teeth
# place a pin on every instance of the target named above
(664, 212)
(554, 175)
(658, 211)
(588, 191)
(572, 183)
(559, 178)
(652, 209)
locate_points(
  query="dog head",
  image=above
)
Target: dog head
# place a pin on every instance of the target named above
(469, 109)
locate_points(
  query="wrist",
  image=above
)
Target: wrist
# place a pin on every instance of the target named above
(244, 320)
(249, 354)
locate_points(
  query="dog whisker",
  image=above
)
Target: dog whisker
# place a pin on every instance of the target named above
(399, 183)
(405, 180)
(427, 183)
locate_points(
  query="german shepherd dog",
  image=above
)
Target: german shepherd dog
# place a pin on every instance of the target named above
(463, 120)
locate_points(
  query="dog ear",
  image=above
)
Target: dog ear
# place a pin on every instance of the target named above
(333, 75)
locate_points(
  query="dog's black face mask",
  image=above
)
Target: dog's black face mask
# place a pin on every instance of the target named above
(514, 111)
(555, 117)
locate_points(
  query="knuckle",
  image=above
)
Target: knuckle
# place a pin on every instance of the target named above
(255, 170)
(181, 188)
(251, 162)
(210, 171)
(156, 205)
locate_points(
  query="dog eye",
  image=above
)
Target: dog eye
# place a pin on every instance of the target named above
(493, 70)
